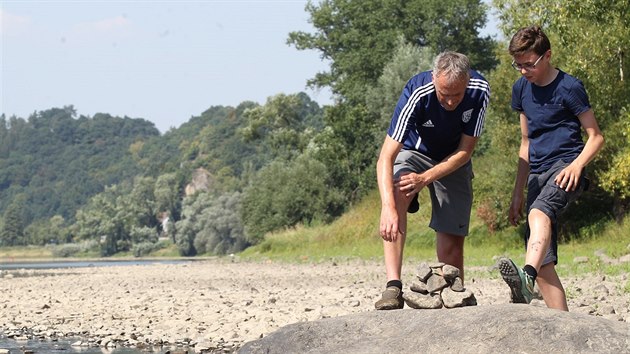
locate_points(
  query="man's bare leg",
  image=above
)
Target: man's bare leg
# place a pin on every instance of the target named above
(393, 251)
(450, 250)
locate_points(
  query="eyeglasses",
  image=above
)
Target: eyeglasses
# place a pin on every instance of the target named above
(527, 67)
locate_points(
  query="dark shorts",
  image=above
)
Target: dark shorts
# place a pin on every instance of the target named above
(543, 194)
(451, 196)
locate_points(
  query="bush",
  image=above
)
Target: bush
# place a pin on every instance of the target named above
(143, 248)
(289, 193)
(66, 250)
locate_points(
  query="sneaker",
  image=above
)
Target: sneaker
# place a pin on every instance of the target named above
(414, 206)
(520, 283)
(391, 300)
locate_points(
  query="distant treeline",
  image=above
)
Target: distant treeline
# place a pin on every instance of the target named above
(224, 179)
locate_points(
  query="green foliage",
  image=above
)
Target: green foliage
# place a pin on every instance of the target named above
(289, 163)
(143, 248)
(66, 250)
(407, 61)
(355, 236)
(47, 231)
(167, 195)
(285, 125)
(210, 225)
(288, 193)
(349, 152)
(58, 161)
(221, 231)
(143, 234)
(617, 177)
(12, 232)
(359, 37)
(119, 216)
(80, 249)
(212, 141)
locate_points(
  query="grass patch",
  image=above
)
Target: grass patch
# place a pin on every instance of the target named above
(355, 235)
(163, 249)
(25, 252)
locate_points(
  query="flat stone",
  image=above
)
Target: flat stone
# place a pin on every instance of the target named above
(424, 272)
(436, 283)
(452, 299)
(422, 301)
(457, 285)
(419, 287)
(437, 265)
(449, 272)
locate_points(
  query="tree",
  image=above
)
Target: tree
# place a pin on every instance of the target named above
(167, 196)
(59, 160)
(102, 221)
(284, 195)
(42, 232)
(191, 223)
(222, 229)
(285, 124)
(407, 61)
(12, 233)
(359, 37)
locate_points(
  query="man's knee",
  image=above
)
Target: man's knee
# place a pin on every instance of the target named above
(450, 244)
(402, 199)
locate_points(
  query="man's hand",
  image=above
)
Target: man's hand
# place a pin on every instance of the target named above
(569, 177)
(389, 224)
(411, 183)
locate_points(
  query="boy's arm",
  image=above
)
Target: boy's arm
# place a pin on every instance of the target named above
(516, 207)
(569, 177)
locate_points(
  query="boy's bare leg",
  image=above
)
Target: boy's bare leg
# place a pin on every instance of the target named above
(551, 288)
(539, 238)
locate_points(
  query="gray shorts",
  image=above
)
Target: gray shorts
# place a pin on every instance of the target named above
(451, 196)
(543, 194)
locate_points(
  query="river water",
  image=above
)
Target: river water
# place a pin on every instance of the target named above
(64, 345)
(4, 265)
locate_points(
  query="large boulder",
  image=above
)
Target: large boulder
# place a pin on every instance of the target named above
(504, 328)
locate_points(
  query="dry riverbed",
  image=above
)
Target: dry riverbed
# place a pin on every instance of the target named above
(217, 305)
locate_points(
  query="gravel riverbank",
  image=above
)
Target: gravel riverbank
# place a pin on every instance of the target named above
(217, 305)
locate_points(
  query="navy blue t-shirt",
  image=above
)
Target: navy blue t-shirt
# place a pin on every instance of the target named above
(422, 124)
(553, 128)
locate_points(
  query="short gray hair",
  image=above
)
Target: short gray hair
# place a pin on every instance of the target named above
(455, 66)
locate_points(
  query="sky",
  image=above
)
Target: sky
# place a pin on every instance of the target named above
(164, 61)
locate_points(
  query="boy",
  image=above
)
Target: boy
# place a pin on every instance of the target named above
(552, 106)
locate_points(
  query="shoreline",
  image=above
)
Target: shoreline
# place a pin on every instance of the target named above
(217, 305)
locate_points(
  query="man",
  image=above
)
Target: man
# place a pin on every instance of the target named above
(436, 124)
(553, 106)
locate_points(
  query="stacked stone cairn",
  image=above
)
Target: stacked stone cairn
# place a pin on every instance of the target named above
(438, 285)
